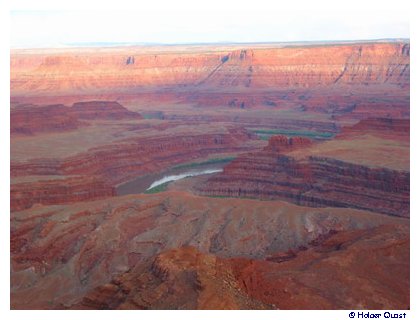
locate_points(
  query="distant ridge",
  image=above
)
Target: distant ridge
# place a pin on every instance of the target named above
(116, 44)
(102, 44)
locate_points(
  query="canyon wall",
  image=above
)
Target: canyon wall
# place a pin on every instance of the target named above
(60, 190)
(260, 121)
(98, 240)
(85, 120)
(119, 162)
(111, 164)
(102, 110)
(260, 284)
(311, 180)
(30, 119)
(57, 72)
(388, 128)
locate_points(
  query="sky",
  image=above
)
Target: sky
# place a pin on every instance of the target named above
(182, 21)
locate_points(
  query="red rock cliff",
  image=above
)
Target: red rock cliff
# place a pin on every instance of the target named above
(57, 118)
(111, 164)
(98, 240)
(279, 143)
(102, 110)
(290, 66)
(259, 284)
(54, 191)
(312, 181)
(29, 120)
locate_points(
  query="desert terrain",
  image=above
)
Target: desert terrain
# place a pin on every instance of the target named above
(257, 176)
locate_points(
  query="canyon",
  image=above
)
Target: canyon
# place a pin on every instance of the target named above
(86, 245)
(260, 284)
(312, 148)
(288, 169)
(231, 67)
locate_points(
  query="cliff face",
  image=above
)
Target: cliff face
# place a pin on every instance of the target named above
(282, 143)
(111, 164)
(124, 160)
(383, 127)
(360, 254)
(346, 191)
(304, 66)
(311, 180)
(313, 66)
(103, 110)
(29, 120)
(260, 121)
(259, 284)
(182, 279)
(137, 155)
(101, 239)
(55, 191)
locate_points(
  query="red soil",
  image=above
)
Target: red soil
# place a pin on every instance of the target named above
(187, 279)
(96, 241)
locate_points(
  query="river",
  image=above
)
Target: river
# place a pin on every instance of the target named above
(147, 182)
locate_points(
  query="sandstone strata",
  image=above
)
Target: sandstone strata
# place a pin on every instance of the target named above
(58, 118)
(313, 180)
(75, 244)
(184, 278)
(121, 160)
(389, 128)
(97, 241)
(290, 66)
(104, 167)
(32, 119)
(102, 110)
(60, 190)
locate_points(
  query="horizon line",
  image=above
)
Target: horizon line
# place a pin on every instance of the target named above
(116, 44)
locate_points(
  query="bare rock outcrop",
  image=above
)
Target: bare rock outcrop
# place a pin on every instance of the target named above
(279, 143)
(29, 119)
(389, 128)
(376, 63)
(105, 166)
(59, 190)
(185, 278)
(313, 180)
(102, 110)
(99, 240)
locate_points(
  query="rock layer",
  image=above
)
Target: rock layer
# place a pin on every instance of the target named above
(58, 118)
(96, 241)
(54, 191)
(177, 279)
(184, 278)
(314, 180)
(388, 128)
(103, 110)
(279, 143)
(135, 156)
(106, 166)
(30, 120)
(75, 244)
(254, 67)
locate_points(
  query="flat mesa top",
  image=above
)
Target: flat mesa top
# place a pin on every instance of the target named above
(193, 47)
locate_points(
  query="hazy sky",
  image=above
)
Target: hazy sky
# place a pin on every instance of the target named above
(159, 21)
